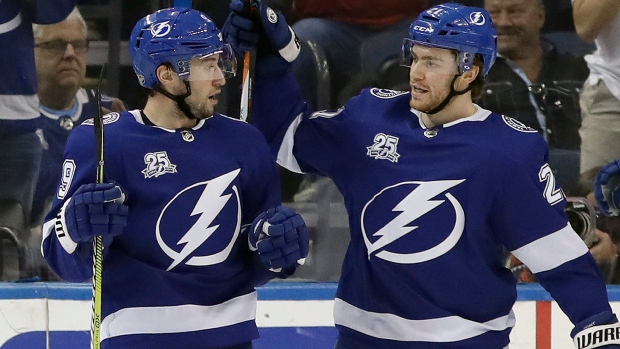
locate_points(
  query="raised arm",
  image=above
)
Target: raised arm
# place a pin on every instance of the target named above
(592, 16)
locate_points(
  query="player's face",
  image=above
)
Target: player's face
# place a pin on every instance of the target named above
(518, 24)
(206, 80)
(60, 55)
(430, 75)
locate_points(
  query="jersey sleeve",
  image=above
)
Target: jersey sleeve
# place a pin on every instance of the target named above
(79, 167)
(262, 184)
(528, 211)
(286, 120)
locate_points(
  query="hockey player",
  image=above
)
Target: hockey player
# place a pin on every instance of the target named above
(190, 217)
(434, 187)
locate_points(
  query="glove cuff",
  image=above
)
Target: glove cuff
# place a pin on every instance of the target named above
(62, 233)
(292, 49)
(598, 337)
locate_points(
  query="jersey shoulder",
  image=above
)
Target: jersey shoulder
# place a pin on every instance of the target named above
(377, 103)
(237, 126)
(515, 139)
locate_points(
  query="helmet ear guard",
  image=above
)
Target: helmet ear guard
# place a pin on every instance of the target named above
(466, 30)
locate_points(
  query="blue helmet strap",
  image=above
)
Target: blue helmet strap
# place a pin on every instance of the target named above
(449, 96)
(179, 99)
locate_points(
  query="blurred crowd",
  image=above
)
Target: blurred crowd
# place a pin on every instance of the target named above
(558, 72)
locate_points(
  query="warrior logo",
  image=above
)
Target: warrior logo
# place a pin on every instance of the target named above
(384, 147)
(157, 164)
(216, 200)
(414, 202)
(159, 30)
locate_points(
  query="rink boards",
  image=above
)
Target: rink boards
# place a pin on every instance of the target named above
(290, 315)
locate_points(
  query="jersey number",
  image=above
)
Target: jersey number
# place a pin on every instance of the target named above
(68, 170)
(552, 194)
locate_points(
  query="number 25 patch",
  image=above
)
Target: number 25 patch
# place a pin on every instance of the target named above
(385, 147)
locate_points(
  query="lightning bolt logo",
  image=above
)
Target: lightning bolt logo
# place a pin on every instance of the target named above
(416, 204)
(477, 18)
(209, 205)
(160, 29)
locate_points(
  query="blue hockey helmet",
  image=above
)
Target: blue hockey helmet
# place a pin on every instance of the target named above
(467, 30)
(175, 36)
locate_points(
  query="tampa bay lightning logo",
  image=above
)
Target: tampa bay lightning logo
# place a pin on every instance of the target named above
(425, 221)
(161, 29)
(477, 18)
(206, 234)
(517, 125)
(107, 119)
(385, 93)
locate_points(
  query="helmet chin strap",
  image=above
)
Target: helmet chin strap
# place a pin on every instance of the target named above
(446, 100)
(179, 99)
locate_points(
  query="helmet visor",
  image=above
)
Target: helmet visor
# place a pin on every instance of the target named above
(428, 59)
(220, 64)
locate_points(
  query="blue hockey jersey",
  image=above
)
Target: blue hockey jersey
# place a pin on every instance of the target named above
(430, 210)
(19, 104)
(53, 129)
(181, 275)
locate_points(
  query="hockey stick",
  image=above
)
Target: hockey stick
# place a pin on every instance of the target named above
(98, 241)
(249, 62)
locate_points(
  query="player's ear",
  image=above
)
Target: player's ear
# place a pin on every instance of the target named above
(165, 74)
(469, 76)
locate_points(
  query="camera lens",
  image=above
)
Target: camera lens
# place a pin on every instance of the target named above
(580, 221)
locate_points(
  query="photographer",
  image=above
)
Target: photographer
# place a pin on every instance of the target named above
(600, 233)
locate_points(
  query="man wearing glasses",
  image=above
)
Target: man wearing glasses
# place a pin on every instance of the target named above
(20, 149)
(60, 57)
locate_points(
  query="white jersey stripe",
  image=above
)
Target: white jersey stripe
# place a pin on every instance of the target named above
(285, 156)
(393, 327)
(180, 318)
(551, 251)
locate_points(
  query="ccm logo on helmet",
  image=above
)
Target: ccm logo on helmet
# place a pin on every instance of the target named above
(423, 29)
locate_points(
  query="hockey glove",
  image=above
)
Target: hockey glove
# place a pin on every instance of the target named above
(246, 32)
(281, 239)
(94, 209)
(607, 189)
(599, 331)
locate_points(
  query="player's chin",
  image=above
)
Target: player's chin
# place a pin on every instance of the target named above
(207, 113)
(418, 104)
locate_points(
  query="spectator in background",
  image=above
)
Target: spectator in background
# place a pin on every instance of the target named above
(607, 229)
(60, 57)
(531, 81)
(602, 239)
(341, 27)
(599, 21)
(20, 148)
